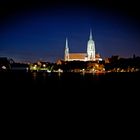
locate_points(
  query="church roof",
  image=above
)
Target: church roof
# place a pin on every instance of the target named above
(97, 55)
(77, 56)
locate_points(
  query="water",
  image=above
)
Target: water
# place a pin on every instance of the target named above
(28, 97)
(69, 88)
(69, 82)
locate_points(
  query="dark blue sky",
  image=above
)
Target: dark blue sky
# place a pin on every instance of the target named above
(31, 31)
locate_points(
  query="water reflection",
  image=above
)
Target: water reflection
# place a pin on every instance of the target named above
(58, 76)
(34, 75)
(44, 75)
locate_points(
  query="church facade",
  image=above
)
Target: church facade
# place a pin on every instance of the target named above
(90, 55)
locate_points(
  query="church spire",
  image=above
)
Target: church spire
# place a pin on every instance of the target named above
(66, 43)
(90, 37)
(90, 48)
(66, 51)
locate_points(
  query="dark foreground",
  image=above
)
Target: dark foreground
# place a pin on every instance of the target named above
(29, 100)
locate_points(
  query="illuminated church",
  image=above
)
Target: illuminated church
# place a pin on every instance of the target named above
(88, 56)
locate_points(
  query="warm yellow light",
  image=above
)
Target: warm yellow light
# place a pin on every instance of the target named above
(44, 65)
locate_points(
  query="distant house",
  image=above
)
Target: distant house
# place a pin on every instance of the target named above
(9, 64)
(4, 64)
(19, 66)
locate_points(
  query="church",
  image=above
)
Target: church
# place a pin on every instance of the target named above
(90, 55)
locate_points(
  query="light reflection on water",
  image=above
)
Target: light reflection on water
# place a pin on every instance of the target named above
(34, 75)
(58, 76)
(64, 76)
(81, 80)
(70, 81)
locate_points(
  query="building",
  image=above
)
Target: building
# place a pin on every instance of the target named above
(90, 55)
(4, 64)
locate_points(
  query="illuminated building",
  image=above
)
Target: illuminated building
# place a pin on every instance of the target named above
(88, 56)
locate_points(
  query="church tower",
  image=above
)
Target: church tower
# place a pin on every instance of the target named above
(66, 51)
(90, 48)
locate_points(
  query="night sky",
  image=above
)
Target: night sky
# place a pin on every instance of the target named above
(36, 30)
